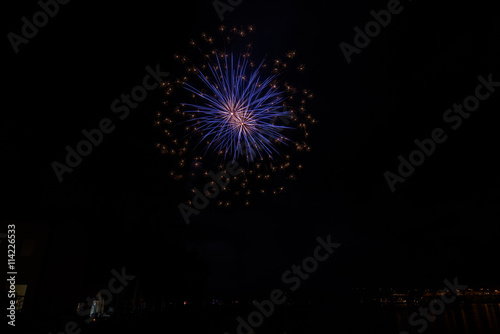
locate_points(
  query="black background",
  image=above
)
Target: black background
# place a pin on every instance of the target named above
(441, 223)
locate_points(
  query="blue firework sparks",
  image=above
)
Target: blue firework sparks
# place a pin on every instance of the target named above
(233, 105)
(239, 110)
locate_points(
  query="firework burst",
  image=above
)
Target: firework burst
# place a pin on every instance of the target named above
(226, 107)
(239, 117)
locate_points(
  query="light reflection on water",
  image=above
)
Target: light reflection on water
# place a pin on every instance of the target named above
(456, 319)
(463, 319)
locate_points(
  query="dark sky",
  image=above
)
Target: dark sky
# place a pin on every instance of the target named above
(441, 223)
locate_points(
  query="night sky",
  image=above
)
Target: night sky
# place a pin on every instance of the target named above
(119, 207)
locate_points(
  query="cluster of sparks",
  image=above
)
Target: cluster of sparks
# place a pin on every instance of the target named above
(239, 116)
(236, 114)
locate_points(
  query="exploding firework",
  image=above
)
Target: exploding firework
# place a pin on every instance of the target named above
(227, 107)
(239, 116)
